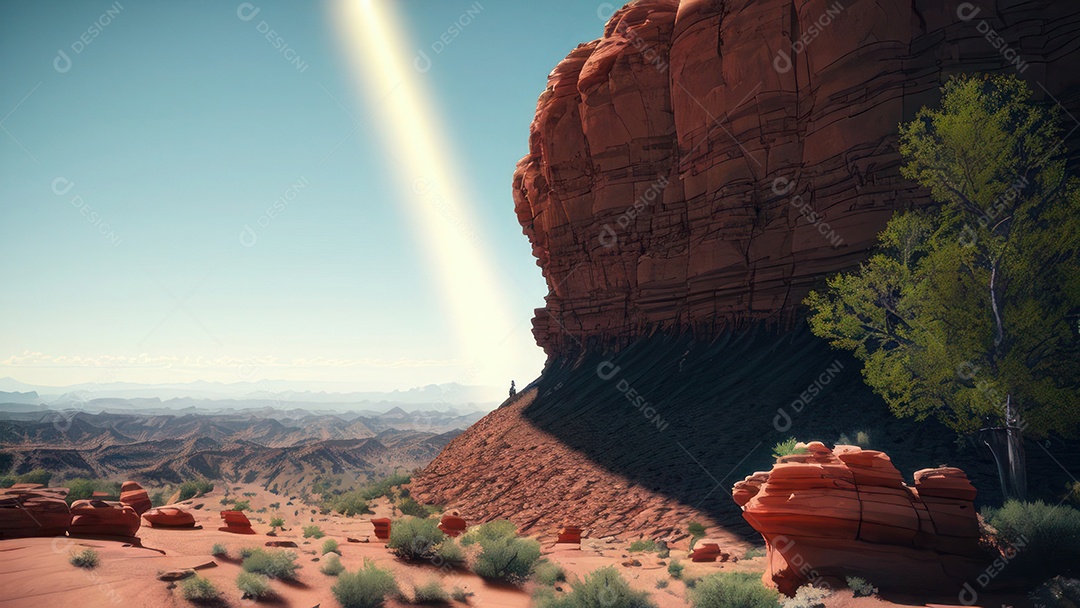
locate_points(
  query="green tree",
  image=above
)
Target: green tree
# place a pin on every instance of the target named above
(968, 312)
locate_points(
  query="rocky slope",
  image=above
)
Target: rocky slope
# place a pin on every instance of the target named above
(706, 161)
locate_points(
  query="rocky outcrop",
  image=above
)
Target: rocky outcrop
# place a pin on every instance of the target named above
(33, 510)
(169, 517)
(829, 514)
(102, 518)
(236, 522)
(133, 495)
(705, 162)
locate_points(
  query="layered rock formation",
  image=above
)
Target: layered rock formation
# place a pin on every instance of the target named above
(169, 517)
(33, 510)
(133, 495)
(829, 514)
(102, 518)
(706, 161)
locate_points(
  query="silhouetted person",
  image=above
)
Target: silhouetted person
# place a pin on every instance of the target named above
(513, 389)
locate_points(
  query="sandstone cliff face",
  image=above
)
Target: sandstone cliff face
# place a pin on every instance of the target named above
(706, 161)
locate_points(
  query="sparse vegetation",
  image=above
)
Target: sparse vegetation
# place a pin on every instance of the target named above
(498, 528)
(241, 505)
(431, 592)
(860, 586)
(368, 587)
(733, 590)
(276, 522)
(603, 587)
(253, 585)
(755, 552)
(787, 447)
(81, 488)
(219, 550)
(40, 476)
(458, 595)
(675, 568)
(313, 531)
(87, 558)
(329, 546)
(1039, 538)
(415, 539)
(332, 566)
(275, 564)
(349, 504)
(246, 552)
(193, 488)
(643, 544)
(503, 554)
(807, 596)
(198, 589)
(408, 506)
(548, 573)
(661, 583)
(697, 532)
(451, 552)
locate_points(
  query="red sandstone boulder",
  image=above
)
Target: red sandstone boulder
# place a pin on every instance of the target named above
(33, 510)
(570, 534)
(169, 517)
(382, 528)
(452, 525)
(133, 495)
(830, 514)
(705, 552)
(102, 518)
(236, 522)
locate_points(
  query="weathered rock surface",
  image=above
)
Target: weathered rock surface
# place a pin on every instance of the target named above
(169, 517)
(829, 514)
(33, 510)
(236, 522)
(688, 171)
(133, 495)
(102, 518)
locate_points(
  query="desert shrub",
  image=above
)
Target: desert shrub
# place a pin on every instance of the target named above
(87, 558)
(40, 476)
(275, 564)
(382, 487)
(755, 552)
(643, 544)
(81, 488)
(7, 481)
(349, 504)
(1037, 538)
(198, 589)
(733, 590)
(226, 500)
(862, 439)
(241, 505)
(697, 532)
(661, 583)
(860, 586)
(368, 587)
(193, 488)
(430, 592)
(313, 531)
(329, 546)
(806, 596)
(332, 566)
(219, 550)
(451, 553)
(458, 595)
(277, 522)
(603, 587)
(500, 528)
(509, 559)
(415, 539)
(787, 448)
(246, 552)
(548, 573)
(675, 568)
(253, 585)
(409, 506)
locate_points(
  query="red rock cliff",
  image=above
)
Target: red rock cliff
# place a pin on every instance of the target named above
(690, 169)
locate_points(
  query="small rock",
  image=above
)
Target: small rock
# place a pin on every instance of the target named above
(280, 543)
(350, 539)
(630, 563)
(174, 575)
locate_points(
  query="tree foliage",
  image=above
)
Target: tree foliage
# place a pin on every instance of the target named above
(974, 301)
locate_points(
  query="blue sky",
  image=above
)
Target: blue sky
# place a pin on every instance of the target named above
(132, 166)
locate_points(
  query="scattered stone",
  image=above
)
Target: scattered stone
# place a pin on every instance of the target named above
(280, 543)
(175, 575)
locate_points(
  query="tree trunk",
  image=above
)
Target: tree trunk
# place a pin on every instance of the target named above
(1007, 446)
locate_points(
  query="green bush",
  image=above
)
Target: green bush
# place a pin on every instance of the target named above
(601, 588)
(509, 559)
(253, 585)
(548, 573)
(87, 558)
(733, 590)
(198, 589)
(451, 552)
(81, 488)
(755, 552)
(219, 550)
(383, 486)
(500, 528)
(332, 566)
(368, 587)
(860, 586)
(697, 532)
(1037, 538)
(40, 476)
(275, 564)
(675, 568)
(246, 552)
(408, 506)
(643, 544)
(415, 539)
(787, 448)
(329, 546)
(349, 504)
(241, 505)
(430, 592)
(277, 522)
(313, 531)
(807, 596)
(661, 583)
(458, 595)
(197, 487)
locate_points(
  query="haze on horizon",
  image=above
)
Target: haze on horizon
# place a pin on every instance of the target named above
(236, 192)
